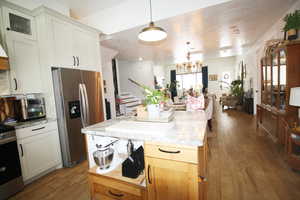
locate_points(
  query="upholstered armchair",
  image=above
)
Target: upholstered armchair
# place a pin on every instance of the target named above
(229, 101)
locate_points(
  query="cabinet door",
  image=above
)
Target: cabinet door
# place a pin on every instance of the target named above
(39, 153)
(171, 180)
(25, 65)
(63, 43)
(19, 24)
(86, 49)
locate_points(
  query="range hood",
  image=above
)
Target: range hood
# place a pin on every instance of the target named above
(3, 59)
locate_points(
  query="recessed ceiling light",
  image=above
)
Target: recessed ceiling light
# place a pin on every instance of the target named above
(141, 59)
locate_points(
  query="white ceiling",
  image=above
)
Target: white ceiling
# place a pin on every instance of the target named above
(231, 26)
(83, 8)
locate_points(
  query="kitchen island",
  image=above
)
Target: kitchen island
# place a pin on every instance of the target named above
(175, 155)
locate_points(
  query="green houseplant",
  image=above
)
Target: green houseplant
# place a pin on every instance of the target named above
(237, 90)
(292, 25)
(153, 98)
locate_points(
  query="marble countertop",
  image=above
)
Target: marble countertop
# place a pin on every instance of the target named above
(20, 125)
(187, 128)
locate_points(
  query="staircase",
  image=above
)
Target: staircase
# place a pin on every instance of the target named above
(128, 103)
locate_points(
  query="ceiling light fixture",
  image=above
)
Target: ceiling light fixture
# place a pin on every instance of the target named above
(152, 33)
(193, 62)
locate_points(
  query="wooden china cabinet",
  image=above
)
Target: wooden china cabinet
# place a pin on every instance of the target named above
(280, 71)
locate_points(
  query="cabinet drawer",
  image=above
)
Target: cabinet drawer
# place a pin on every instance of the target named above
(171, 152)
(112, 193)
(114, 188)
(36, 130)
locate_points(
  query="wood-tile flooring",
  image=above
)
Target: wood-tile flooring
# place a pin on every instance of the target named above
(244, 164)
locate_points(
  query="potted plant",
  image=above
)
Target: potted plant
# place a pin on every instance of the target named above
(237, 91)
(153, 99)
(292, 25)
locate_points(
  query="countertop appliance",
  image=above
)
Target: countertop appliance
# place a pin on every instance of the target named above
(78, 98)
(11, 180)
(104, 156)
(30, 107)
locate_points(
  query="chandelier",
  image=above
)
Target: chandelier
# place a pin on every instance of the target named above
(190, 66)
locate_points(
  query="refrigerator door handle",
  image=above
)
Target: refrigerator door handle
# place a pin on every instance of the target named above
(82, 105)
(87, 109)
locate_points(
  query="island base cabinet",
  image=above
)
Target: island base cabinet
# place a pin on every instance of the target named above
(171, 180)
(102, 188)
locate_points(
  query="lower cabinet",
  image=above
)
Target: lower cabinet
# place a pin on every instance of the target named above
(175, 172)
(269, 120)
(171, 180)
(38, 152)
(172, 172)
(102, 188)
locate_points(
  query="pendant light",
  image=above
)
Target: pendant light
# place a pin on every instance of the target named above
(152, 33)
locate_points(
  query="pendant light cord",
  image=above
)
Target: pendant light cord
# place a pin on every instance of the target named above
(150, 11)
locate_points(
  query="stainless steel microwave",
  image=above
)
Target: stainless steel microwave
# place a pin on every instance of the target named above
(31, 107)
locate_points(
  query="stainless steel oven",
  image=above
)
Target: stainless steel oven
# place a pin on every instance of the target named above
(31, 106)
(10, 168)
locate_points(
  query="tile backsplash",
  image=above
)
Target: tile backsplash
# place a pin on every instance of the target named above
(4, 82)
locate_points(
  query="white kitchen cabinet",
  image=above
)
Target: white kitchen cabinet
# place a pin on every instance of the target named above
(74, 46)
(24, 65)
(62, 43)
(39, 149)
(86, 49)
(19, 24)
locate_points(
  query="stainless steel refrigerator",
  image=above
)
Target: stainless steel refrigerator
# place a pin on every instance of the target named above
(78, 99)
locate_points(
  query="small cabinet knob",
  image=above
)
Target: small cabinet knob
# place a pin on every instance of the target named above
(8, 29)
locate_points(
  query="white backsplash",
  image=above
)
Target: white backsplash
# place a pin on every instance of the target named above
(4, 82)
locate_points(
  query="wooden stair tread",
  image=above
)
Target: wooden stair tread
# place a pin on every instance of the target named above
(129, 102)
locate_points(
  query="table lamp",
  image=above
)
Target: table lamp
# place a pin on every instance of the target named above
(295, 100)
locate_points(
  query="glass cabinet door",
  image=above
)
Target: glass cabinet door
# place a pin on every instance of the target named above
(268, 80)
(263, 81)
(282, 79)
(274, 89)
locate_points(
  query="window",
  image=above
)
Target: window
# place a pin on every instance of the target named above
(187, 81)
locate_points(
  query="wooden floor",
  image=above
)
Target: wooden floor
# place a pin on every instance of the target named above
(244, 164)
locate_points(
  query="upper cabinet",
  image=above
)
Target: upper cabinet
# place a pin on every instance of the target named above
(19, 24)
(63, 43)
(279, 72)
(25, 65)
(74, 47)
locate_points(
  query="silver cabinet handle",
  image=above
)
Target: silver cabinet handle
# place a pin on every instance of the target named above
(36, 129)
(77, 60)
(74, 61)
(16, 84)
(22, 152)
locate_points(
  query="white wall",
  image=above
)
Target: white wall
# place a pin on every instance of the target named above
(107, 55)
(140, 71)
(56, 5)
(219, 66)
(256, 52)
